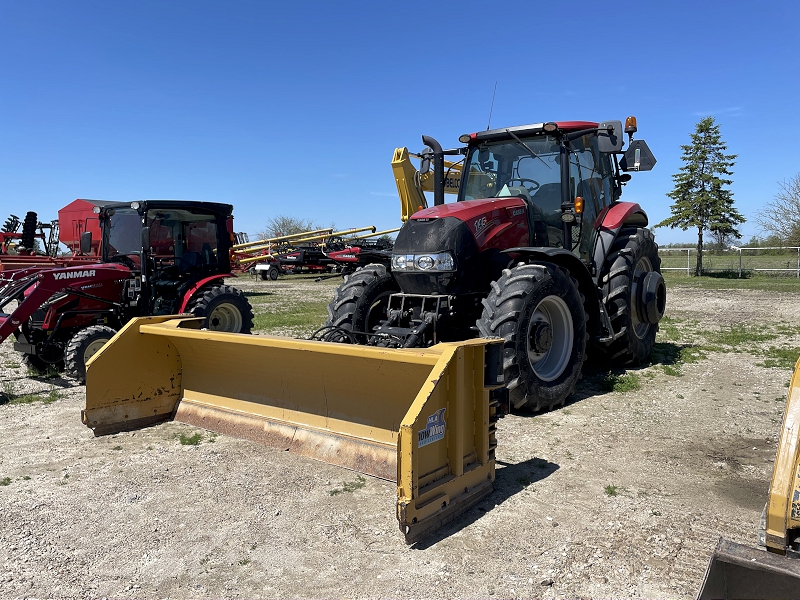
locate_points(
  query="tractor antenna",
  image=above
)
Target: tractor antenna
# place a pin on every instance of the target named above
(491, 108)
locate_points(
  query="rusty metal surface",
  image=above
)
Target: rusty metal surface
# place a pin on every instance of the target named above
(378, 460)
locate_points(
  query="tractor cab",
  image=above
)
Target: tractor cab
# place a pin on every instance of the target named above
(168, 246)
(566, 173)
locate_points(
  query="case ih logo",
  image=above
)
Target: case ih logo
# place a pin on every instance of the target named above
(73, 274)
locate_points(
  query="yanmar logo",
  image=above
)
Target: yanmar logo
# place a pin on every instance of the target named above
(74, 274)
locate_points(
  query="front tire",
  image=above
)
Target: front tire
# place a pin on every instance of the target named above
(360, 303)
(633, 256)
(82, 346)
(538, 310)
(225, 308)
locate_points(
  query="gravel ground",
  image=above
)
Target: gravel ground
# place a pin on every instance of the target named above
(617, 494)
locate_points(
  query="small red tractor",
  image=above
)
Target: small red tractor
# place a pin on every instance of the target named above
(159, 257)
(538, 250)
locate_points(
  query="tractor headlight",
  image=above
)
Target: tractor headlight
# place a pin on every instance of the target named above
(441, 261)
(399, 262)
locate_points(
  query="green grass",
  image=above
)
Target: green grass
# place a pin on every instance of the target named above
(785, 358)
(308, 315)
(611, 490)
(629, 382)
(26, 478)
(9, 395)
(736, 336)
(191, 440)
(11, 365)
(758, 282)
(349, 486)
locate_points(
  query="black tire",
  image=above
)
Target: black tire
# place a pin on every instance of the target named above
(539, 312)
(225, 308)
(263, 275)
(28, 238)
(360, 303)
(52, 360)
(632, 256)
(273, 272)
(82, 346)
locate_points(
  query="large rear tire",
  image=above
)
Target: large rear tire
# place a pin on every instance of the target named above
(225, 308)
(82, 346)
(538, 310)
(360, 303)
(633, 256)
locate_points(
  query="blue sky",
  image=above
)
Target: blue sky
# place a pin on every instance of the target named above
(295, 108)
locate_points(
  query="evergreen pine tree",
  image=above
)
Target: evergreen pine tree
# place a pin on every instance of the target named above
(701, 199)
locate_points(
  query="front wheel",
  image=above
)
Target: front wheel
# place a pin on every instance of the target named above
(360, 303)
(225, 308)
(634, 295)
(82, 346)
(538, 310)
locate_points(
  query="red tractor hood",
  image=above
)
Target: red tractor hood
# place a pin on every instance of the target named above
(467, 210)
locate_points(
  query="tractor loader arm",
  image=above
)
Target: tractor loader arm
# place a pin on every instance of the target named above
(420, 417)
(735, 571)
(411, 184)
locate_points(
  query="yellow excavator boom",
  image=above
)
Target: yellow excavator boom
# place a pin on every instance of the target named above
(419, 417)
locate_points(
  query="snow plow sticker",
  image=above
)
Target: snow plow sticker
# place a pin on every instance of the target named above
(434, 429)
(73, 274)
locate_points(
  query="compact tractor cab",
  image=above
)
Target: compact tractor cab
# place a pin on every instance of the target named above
(538, 250)
(159, 257)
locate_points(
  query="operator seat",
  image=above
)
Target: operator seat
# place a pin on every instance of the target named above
(189, 261)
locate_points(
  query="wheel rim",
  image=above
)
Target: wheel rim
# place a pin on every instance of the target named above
(640, 327)
(225, 317)
(93, 348)
(550, 338)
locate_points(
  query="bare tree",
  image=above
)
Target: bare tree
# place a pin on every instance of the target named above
(781, 216)
(281, 225)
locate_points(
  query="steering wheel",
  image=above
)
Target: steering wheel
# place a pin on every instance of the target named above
(124, 259)
(521, 181)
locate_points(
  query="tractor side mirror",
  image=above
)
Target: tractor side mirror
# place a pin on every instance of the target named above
(637, 157)
(145, 238)
(609, 137)
(86, 242)
(425, 161)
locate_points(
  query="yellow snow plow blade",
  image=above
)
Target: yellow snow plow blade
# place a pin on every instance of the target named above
(420, 417)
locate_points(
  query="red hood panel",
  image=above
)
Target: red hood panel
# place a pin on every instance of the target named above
(467, 210)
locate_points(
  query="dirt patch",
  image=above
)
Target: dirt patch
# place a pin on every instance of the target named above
(615, 494)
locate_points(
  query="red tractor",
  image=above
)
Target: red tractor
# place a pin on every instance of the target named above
(538, 250)
(159, 257)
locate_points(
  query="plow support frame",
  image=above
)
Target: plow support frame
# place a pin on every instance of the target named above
(419, 417)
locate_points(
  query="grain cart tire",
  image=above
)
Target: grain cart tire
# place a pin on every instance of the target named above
(360, 303)
(225, 308)
(28, 239)
(538, 310)
(634, 296)
(273, 273)
(82, 346)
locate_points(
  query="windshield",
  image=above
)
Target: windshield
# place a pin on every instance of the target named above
(123, 231)
(530, 168)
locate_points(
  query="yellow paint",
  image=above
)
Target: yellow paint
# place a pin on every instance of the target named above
(356, 406)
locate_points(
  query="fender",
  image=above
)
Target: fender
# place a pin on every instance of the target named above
(570, 262)
(608, 224)
(191, 291)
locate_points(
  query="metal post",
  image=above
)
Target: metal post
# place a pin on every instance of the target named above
(740, 263)
(688, 259)
(798, 262)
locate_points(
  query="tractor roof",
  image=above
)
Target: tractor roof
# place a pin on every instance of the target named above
(531, 129)
(225, 210)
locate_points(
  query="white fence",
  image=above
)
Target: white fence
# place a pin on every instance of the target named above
(778, 260)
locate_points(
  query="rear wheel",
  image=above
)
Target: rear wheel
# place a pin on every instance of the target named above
(360, 303)
(634, 295)
(225, 308)
(538, 311)
(84, 345)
